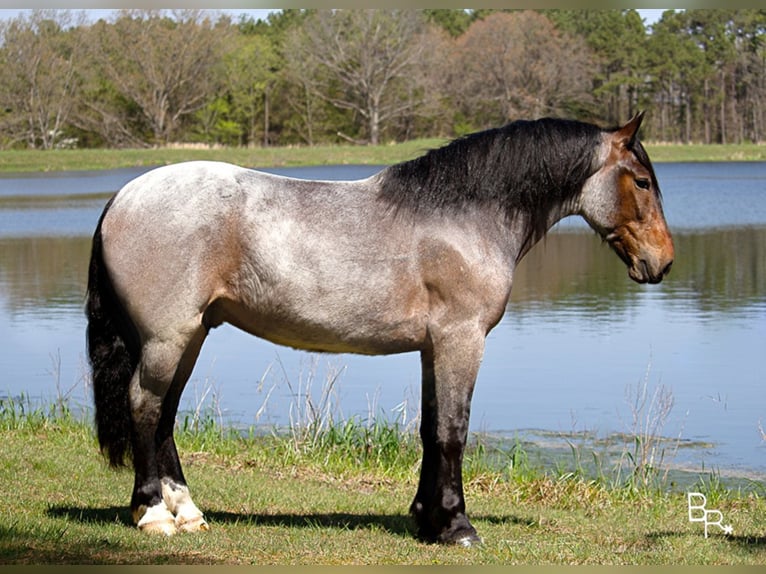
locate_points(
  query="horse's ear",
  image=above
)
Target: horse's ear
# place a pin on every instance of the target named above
(626, 135)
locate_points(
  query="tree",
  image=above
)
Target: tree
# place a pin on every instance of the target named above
(454, 22)
(710, 30)
(364, 61)
(149, 77)
(39, 62)
(713, 63)
(250, 78)
(752, 65)
(679, 78)
(302, 93)
(517, 64)
(617, 38)
(168, 67)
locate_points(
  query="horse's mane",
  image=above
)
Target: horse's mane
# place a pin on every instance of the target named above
(525, 166)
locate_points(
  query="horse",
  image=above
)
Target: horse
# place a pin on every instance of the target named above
(418, 257)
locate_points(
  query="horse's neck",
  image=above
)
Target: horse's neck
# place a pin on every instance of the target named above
(527, 235)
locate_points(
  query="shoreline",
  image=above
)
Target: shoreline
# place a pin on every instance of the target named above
(26, 161)
(544, 451)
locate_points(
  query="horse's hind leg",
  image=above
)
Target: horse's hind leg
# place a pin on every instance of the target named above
(161, 501)
(175, 492)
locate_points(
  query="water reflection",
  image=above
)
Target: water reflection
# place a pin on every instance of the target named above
(43, 274)
(718, 271)
(715, 271)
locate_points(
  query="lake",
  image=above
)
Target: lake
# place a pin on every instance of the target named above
(579, 342)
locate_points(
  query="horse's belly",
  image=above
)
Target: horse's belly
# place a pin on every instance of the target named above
(332, 305)
(327, 329)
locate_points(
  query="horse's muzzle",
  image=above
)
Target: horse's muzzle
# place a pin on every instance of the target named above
(643, 272)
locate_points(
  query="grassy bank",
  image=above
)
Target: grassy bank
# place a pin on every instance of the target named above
(65, 160)
(339, 495)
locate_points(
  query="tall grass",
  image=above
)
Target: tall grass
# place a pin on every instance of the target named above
(318, 432)
(634, 463)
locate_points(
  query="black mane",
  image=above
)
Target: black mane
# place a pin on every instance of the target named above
(525, 166)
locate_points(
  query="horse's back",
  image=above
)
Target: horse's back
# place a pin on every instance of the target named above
(177, 188)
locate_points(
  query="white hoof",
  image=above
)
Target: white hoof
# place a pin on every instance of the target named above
(191, 524)
(469, 541)
(189, 518)
(155, 520)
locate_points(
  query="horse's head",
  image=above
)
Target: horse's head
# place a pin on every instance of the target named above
(622, 202)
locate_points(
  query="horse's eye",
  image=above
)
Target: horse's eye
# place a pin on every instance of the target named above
(643, 183)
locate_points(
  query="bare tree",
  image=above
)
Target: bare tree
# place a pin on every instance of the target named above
(360, 60)
(166, 65)
(39, 60)
(303, 87)
(521, 65)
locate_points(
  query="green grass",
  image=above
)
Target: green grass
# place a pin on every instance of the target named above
(13, 161)
(63, 160)
(699, 152)
(340, 496)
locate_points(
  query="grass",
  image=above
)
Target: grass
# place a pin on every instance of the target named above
(340, 496)
(661, 152)
(13, 161)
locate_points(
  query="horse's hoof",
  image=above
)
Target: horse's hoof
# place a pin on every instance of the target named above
(469, 540)
(155, 520)
(193, 524)
(166, 527)
(466, 537)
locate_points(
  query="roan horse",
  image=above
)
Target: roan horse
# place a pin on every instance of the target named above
(418, 257)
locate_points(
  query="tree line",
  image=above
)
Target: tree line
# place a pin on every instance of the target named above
(155, 77)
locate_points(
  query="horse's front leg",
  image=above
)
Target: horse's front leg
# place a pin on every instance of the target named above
(450, 366)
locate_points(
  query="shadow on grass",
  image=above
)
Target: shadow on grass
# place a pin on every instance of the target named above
(25, 546)
(397, 524)
(747, 542)
(107, 515)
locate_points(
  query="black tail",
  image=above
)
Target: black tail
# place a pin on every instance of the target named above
(113, 352)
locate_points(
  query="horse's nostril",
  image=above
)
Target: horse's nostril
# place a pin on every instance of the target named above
(666, 270)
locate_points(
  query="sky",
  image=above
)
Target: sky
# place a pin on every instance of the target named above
(650, 16)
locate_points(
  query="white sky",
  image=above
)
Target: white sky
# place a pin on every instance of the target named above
(650, 15)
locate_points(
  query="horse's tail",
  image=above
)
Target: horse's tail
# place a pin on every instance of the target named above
(113, 352)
